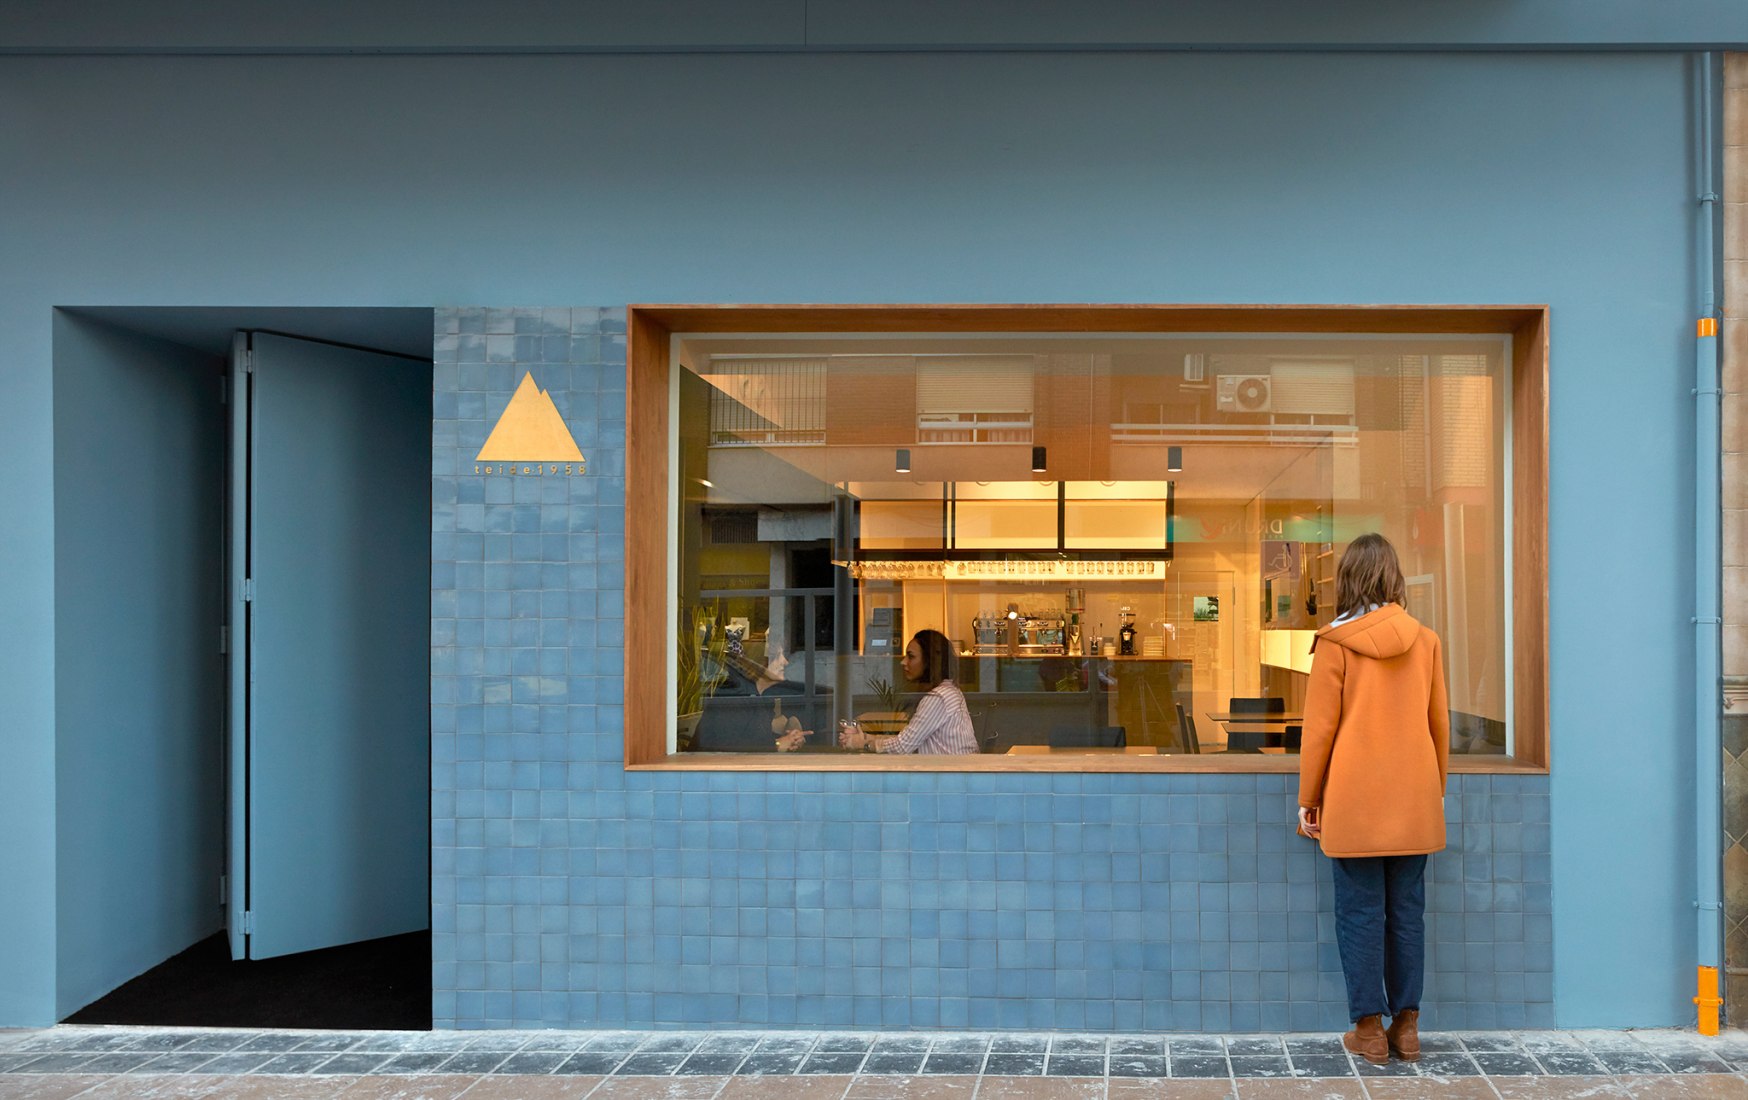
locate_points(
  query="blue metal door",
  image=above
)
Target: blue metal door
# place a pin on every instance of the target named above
(330, 748)
(237, 654)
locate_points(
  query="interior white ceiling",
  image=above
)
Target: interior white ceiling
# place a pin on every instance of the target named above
(401, 330)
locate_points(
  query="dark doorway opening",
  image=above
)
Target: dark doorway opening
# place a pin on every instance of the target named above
(378, 984)
(811, 567)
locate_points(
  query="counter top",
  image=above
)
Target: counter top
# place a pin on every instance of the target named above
(1055, 750)
(1063, 657)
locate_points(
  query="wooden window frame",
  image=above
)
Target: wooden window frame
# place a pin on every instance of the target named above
(647, 609)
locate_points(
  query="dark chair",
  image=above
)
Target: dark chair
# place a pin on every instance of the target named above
(1293, 738)
(1089, 737)
(1240, 740)
(1245, 740)
(1187, 731)
(983, 726)
(1256, 704)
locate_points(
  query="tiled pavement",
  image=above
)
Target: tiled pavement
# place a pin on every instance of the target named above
(64, 1062)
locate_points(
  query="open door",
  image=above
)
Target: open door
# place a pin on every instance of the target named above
(329, 823)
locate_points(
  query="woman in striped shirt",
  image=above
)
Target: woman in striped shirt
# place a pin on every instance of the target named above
(942, 724)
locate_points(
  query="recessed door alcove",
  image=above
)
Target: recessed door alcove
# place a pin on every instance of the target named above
(209, 808)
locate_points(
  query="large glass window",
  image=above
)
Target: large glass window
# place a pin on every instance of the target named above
(1128, 540)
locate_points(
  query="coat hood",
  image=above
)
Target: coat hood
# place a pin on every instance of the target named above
(1387, 632)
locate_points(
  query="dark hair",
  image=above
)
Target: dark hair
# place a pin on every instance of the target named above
(1368, 574)
(937, 656)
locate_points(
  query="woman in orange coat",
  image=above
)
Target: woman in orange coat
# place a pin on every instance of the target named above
(1371, 790)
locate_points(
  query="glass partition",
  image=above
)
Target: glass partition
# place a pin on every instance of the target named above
(1127, 540)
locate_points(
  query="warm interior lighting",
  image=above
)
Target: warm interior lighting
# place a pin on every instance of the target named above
(902, 466)
(1038, 463)
(1288, 649)
(1174, 460)
(990, 570)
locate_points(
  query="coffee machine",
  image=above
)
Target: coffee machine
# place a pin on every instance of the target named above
(1126, 632)
(885, 632)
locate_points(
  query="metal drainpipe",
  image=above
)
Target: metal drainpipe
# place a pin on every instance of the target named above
(1708, 568)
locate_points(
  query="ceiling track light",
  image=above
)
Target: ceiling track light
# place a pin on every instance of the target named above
(1174, 460)
(902, 465)
(1038, 463)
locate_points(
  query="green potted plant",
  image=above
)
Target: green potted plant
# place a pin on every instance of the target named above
(699, 661)
(890, 718)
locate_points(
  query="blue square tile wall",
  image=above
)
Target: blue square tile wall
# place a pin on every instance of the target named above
(567, 892)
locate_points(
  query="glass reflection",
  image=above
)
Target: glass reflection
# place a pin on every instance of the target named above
(1109, 603)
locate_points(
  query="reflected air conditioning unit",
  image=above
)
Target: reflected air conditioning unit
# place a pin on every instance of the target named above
(1244, 393)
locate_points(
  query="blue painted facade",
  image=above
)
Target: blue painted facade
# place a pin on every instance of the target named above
(568, 891)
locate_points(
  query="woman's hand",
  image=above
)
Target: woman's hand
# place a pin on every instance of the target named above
(792, 740)
(1310, 822)
(850, 736)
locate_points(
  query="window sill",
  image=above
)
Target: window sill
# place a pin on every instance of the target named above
(1210, 763)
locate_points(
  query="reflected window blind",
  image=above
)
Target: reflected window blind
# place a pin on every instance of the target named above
(1465, 407)
(1312, 387)
(974, 384)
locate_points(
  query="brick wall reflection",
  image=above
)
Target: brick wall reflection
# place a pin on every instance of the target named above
(1735, 520)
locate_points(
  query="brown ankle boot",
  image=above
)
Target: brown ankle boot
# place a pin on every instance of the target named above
(1367, 1040)
(1404, 1035)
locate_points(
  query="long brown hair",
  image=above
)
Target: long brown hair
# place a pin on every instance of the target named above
(1368, 574)
(937, 656)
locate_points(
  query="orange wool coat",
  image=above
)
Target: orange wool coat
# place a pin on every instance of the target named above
(1377, 737)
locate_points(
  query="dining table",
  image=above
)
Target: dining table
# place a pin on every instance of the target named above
(1078, 750)
(1265, 731)
(1257, 717)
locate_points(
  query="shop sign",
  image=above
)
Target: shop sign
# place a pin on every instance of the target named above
(530, 438)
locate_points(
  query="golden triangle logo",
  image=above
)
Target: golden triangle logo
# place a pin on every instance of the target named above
(530, 437)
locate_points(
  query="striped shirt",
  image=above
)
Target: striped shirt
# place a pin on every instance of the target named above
(940, 727)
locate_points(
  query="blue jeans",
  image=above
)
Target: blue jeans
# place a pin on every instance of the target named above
(1380, 926)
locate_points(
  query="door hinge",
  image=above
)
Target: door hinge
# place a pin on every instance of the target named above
(249, 590)
(224, 640)
(248, 922)
(224, 889)
(249, 361)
